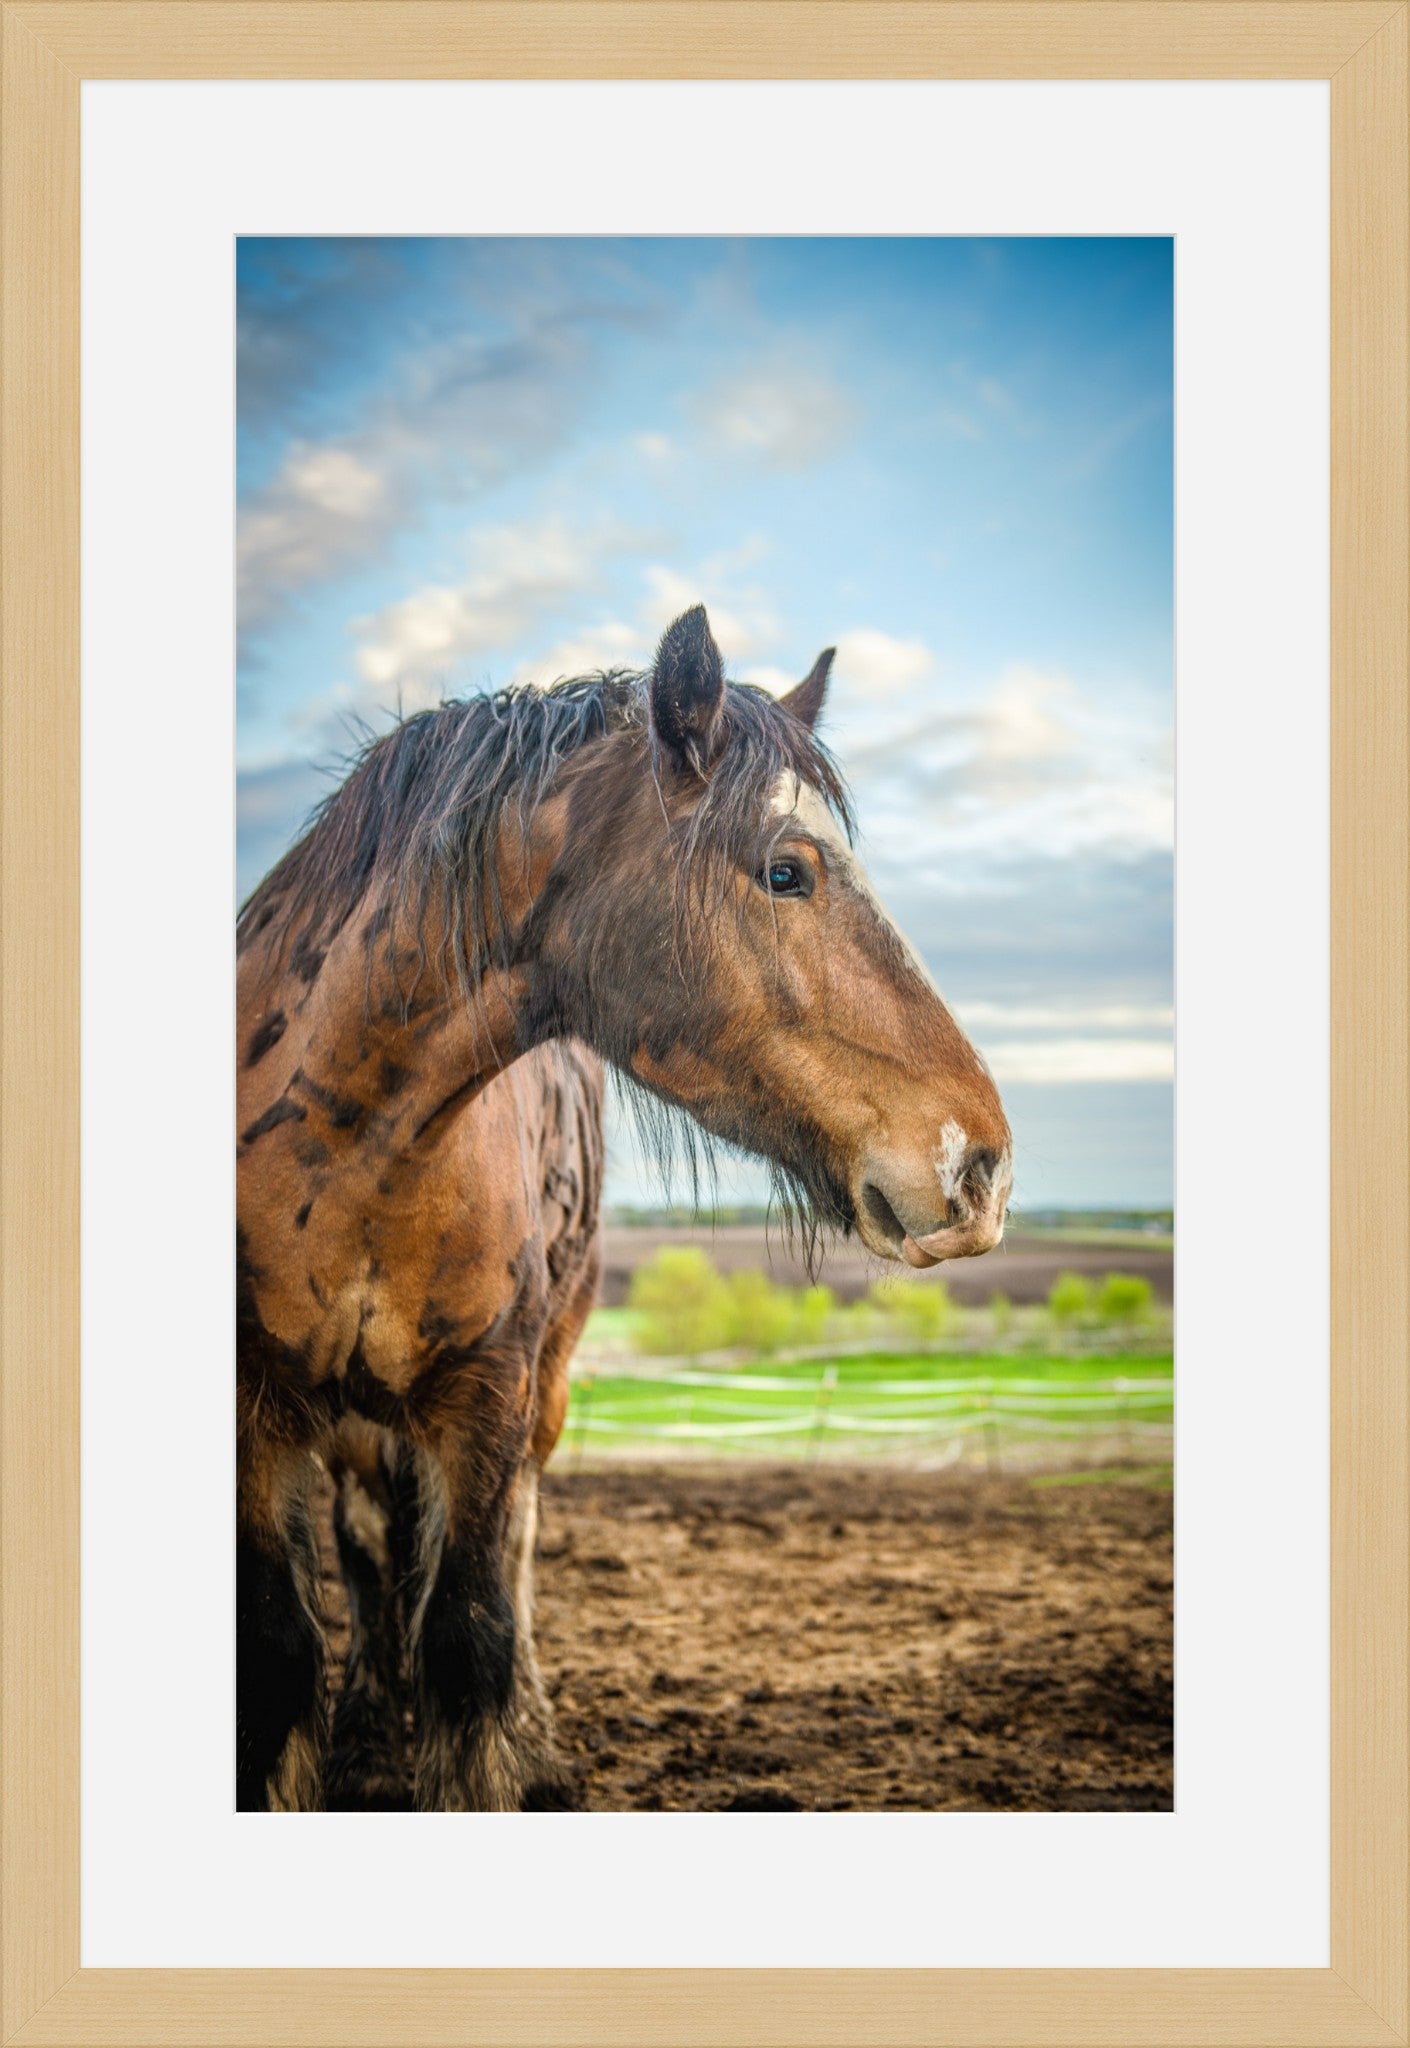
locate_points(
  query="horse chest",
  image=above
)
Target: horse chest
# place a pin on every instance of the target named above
(396, 1325)
(377, 1308)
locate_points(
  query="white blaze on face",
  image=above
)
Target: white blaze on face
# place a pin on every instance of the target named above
(792, 799)
(949, 1160)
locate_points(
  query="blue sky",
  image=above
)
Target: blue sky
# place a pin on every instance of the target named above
(465, 461)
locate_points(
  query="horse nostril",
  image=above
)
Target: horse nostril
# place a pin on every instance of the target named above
(979, 1168)
(881, 1213)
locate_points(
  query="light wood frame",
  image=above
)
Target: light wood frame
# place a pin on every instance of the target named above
(1362, 47)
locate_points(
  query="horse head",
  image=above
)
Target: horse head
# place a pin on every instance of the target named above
(703, 921)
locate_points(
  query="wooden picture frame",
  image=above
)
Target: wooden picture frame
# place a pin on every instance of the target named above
(1363, 48)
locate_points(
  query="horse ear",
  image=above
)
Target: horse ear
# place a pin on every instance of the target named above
(805, 699)
(688, 690)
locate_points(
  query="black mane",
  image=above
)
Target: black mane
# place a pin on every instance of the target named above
(416, 819)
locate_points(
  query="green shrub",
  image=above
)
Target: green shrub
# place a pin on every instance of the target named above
(762, 1316)
(1124, 1298)
(683, 1304)
(923, 1309)
(1070, 1300)
(853, 1322)
(812, 1309)
(1001, 1314)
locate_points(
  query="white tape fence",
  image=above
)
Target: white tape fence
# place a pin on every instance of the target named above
(738, 1412)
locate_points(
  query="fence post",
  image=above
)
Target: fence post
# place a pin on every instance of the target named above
(585, 1385)
(825, 1387)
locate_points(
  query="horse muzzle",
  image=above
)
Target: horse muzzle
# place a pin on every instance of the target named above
(956, 1240)
(976, 1207)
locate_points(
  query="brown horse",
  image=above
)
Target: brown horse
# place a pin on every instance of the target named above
(650, 870)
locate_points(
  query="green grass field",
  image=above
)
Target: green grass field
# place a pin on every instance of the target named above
(879, 1402)
(732, 1364)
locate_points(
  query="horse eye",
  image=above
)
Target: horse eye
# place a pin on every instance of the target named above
(781, 878)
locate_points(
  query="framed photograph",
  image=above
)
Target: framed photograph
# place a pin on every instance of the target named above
(780, 634)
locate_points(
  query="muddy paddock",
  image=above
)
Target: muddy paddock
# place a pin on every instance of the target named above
(857, 1637)
(840, 1637)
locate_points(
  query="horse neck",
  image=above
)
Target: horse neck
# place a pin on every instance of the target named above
(377, 1033)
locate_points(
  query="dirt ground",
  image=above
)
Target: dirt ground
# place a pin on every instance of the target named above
(834, 1637)
(1023, 1268)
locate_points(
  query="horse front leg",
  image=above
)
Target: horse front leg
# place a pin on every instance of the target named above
(484, 1738)
(549, 1780)
(463, 1654)
(553, 1783)
(280, 1709)
(374, 1518)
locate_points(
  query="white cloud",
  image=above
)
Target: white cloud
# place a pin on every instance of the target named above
(1030, 763)
(871, 663)
(1068, 1042)
(408, 653)
(783, 416)
(516, 572)
(335, 480)
(1071, 1018)
(613, 644)
(429, 630)
(325, 507)
(1023, 719)
(1058, 1060)
(451, 416)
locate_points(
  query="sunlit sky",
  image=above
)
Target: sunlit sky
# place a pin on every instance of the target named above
(467, 461)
